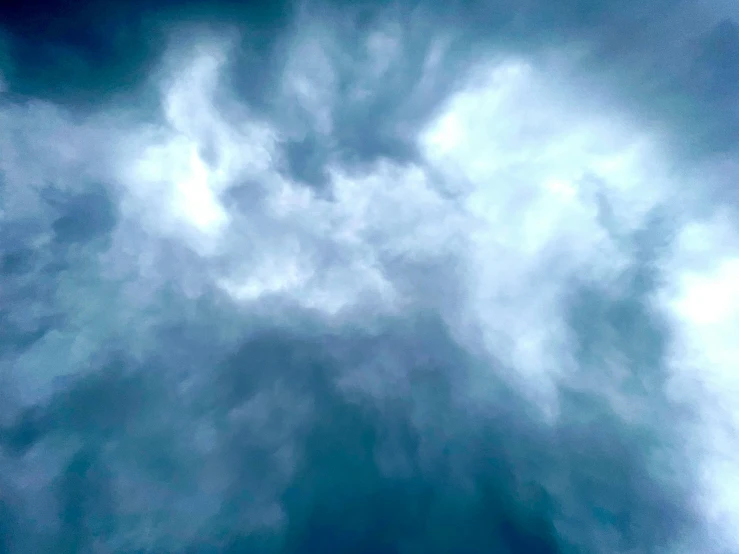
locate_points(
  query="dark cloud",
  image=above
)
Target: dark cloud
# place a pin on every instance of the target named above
(22, 288)
(198, 354)
(654, 53)
(84, 217)
(306, 161)
(413, 472)
(85, 504)
(90, 53)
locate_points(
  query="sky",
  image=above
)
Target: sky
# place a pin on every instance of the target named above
(405, 277)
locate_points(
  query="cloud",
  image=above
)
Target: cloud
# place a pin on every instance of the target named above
(701, 301)
(348, 280)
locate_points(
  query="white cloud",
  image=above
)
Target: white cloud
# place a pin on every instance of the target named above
(535, 161)
(527, 165)
(518, 152)
(175, 174)
(703, 300)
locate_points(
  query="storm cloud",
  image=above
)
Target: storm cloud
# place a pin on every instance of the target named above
(390, 278)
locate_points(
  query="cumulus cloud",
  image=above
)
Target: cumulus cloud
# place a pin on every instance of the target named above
(321, 278)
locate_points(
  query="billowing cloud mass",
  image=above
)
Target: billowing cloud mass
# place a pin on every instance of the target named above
(391, 278)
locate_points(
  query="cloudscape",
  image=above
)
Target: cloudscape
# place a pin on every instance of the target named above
(320, 276)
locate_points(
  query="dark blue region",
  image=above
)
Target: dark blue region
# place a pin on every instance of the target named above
(470, 481)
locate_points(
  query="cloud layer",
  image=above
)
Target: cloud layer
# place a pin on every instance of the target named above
(399, 279)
